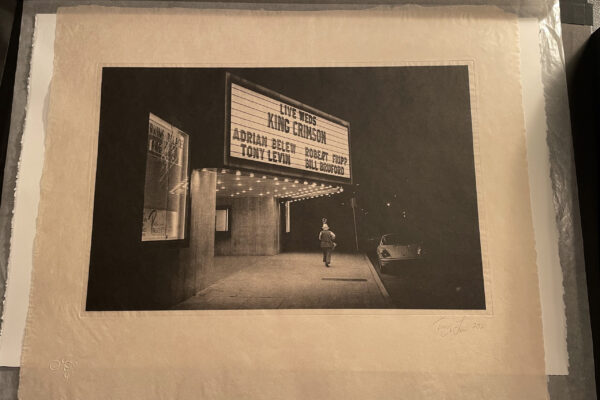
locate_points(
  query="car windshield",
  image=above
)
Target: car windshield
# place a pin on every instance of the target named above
(392, 240)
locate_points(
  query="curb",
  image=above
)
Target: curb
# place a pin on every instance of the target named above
(378, 281)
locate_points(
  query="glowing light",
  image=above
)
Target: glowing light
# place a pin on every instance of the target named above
(238, 173)
(251, 175)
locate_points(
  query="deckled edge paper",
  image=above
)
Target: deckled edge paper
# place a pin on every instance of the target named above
(544, 218)
(68, 353)
(27, 194)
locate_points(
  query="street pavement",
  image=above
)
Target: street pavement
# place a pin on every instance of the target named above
(291, 281)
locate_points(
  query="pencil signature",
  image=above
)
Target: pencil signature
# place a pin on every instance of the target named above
(453, 326)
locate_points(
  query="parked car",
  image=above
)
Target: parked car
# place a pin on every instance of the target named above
(393, 248)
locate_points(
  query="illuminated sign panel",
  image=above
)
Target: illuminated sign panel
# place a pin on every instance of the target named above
(269, 130)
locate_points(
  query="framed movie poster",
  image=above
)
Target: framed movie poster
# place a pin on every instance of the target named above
(165, 188)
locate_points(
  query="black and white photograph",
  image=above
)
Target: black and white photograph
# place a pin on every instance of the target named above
(286, 188)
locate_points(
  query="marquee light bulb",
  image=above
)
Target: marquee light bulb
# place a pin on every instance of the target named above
(251, 175)
(238, 173)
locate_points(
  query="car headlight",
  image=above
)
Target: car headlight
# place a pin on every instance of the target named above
(385, 253)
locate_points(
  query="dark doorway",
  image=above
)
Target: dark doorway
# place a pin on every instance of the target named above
(306, 221)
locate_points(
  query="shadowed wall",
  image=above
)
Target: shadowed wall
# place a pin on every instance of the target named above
(254, 227)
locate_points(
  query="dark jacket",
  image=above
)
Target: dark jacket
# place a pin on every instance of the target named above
(326, 237)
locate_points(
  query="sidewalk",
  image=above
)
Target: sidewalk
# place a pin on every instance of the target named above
(290, 281)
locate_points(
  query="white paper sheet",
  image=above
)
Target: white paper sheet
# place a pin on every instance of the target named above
(542, 208)
(27, 193)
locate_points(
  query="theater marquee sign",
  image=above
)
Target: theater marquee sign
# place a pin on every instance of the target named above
(267, 131)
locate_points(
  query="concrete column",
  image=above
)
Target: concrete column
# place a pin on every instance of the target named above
(198, 258)
(255, 224)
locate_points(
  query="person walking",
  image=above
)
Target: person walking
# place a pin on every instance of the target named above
(327, 243)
